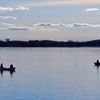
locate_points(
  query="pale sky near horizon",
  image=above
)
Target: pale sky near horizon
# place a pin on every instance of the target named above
(60, 20)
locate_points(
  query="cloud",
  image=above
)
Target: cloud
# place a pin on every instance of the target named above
(8, 17)
(66, 25)
(91, 9)
(94, 25)
(80, 25)
(30, 28)
(7, 26)
(22, 8)
(46, 26)
(18, 28)
(86, 25)
(4, 9)
(52, 25)
(46, 29)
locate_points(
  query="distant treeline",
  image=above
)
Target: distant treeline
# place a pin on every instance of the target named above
(49, 43)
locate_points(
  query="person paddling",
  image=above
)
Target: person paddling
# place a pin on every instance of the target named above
(97, 61)
(1, 65)
(11, 66)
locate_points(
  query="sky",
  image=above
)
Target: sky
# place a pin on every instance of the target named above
(60, 20)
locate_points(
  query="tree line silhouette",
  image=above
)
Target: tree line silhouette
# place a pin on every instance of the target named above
(49, 43)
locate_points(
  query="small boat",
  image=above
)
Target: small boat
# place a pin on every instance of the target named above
(97, 63)
(7, 69)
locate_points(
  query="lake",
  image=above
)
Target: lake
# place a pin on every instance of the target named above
(50, 74)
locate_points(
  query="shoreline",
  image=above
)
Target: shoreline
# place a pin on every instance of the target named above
(49, 43)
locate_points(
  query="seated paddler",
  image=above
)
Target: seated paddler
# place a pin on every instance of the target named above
(1, 66)
(97, 61)
(11, 66)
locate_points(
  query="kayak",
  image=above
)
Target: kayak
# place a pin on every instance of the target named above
(97, 63)
(7, 69)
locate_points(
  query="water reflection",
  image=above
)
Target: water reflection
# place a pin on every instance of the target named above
(97, 68)
(11, 73)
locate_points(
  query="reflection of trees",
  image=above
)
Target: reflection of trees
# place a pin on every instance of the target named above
(49, 43)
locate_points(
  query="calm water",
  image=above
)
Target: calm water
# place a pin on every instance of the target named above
(50, 74)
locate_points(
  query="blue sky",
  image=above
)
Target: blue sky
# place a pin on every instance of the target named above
(60, 20)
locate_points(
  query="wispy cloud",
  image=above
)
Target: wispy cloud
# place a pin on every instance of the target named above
(5, 9)
(8, 17)
(22, 8)
(52, 25)
(18, 28)
(86, 25)
(46, 26)
(91, 9)
(66, 25)
(13, 27)
(44, 29)
(7, 26)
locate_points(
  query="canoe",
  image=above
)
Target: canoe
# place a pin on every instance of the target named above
(7, 69)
